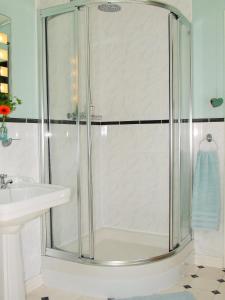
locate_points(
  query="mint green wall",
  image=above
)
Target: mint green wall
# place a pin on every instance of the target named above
(24, 54)
(208, 56)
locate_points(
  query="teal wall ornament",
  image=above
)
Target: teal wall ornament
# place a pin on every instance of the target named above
(216, 102)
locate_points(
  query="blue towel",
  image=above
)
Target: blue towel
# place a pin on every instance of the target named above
(174, 296)
(206, 191)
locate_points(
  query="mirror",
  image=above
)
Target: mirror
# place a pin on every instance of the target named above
(5, 34)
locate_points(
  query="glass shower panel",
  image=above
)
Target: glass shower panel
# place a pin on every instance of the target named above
(182, 170)
(62, 94)
(129, 83)
(185, 143)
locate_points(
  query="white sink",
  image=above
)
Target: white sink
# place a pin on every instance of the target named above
(22, 202)
(19, 203)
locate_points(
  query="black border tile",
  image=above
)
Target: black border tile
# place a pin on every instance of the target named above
(83, 123)
(129, 122)
(150, 121)
(95, 123)
(33, 121)
(16, 120)
(68, 122)
(201, 120)
(55, 121)
(216, 120)
(52, 121)
(185, 120)
(110, 123)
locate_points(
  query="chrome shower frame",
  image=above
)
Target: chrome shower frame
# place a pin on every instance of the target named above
(46, 244)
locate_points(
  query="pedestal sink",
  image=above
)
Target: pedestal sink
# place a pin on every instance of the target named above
(20, 203)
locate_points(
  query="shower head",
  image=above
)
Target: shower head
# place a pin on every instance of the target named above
(109, 7)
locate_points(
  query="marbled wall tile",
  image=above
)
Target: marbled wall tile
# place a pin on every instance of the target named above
(135, 178)
(130, 63)
(22, 157)
(64, 169)
(64, 164)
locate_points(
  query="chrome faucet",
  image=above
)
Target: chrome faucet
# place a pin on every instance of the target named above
(4, 184)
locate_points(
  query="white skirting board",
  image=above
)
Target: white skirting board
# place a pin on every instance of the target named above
(209, 261)
(33, 283)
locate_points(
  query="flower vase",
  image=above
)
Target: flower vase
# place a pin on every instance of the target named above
(3, 132)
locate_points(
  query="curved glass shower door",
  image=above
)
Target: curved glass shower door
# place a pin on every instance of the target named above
(129, 76)
(118, 131)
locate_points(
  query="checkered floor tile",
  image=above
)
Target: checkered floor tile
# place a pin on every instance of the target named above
(205, 283)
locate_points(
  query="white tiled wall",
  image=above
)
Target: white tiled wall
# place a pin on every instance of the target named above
(209, 245)
(134, 172)
(130, 178)
(137, 52)
(22, 159)
(64, 163)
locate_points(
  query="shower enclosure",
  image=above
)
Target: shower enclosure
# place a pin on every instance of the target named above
(116, 129)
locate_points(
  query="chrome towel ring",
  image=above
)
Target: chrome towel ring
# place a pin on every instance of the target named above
(208, 138)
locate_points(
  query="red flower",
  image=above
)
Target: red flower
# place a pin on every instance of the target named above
(5, 110)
